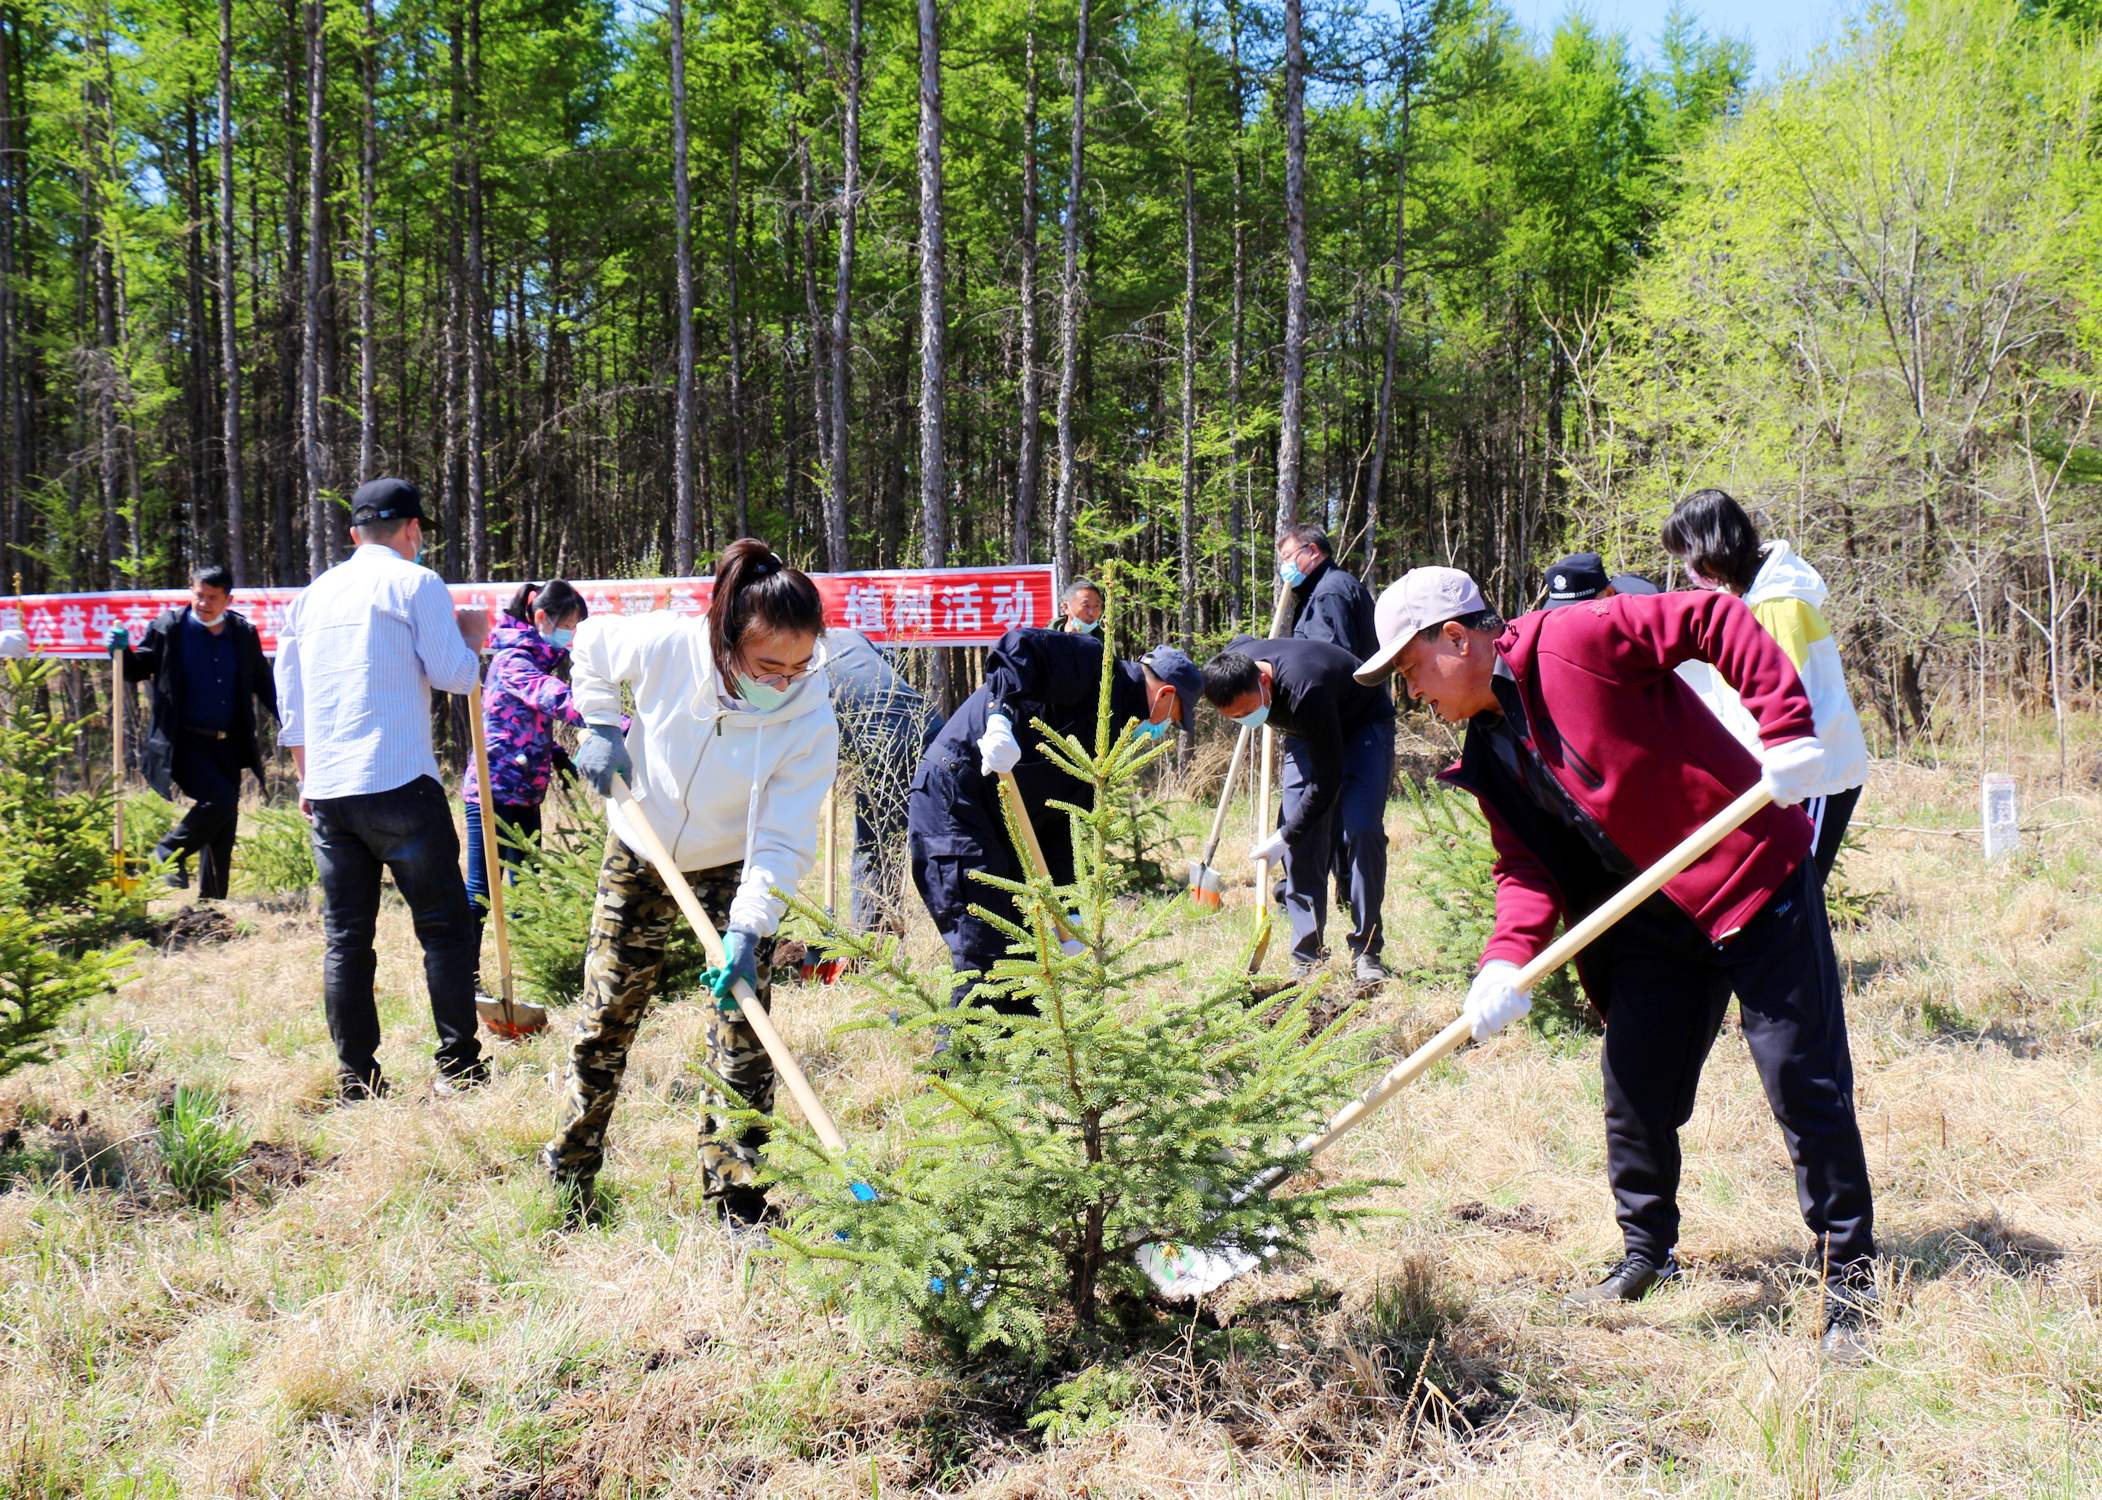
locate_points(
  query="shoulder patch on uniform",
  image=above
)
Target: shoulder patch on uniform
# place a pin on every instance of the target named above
(1599, 606)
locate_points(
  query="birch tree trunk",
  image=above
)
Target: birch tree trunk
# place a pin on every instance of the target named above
(934, 508)
(313, 391)
(1030, 448)
(836, 475)
(1069, 308)
(1292, 409)
(682, 400)
(229, 308)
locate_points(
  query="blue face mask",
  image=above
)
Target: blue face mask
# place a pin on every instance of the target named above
(762, 696)
(559, 638)
(1087, 627)
(1289, 572)
(1145, 731)
(1252, 721)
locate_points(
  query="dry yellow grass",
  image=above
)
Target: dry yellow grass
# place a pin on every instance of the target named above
(409, 1319)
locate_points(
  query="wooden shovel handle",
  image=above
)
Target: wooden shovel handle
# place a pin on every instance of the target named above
(755, 1015)
(1233, 772)
(1013, 793)
(1557, 953)
(492, 866)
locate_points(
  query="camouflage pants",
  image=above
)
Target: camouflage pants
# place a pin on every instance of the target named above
(630, 922)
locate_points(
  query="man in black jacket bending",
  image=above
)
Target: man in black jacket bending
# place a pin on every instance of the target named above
(1342, 732)
(953, 820)
(206, 665)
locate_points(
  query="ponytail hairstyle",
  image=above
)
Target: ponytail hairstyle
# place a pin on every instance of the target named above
(558, 596)
(1711, 534)
(754, 587)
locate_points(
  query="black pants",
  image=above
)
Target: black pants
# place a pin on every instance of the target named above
(1353, 835)
(209, 772)
(974, 944)
(1830, 816)
(408, 832)
(1670, 987)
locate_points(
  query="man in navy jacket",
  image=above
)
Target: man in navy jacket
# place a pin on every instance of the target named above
(1591, 760)
(953, 819)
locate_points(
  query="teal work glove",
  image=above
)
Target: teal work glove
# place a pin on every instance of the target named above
(740, 961)
(119, 640)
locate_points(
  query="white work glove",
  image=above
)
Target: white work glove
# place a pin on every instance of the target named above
(1271, 848)
(998, 749)
(1493, 1001)
(1793, 769)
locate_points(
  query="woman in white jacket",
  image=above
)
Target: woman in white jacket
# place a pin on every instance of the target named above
(731, 750)
(1711, 534)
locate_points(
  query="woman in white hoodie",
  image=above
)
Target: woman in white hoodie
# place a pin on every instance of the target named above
(730, 752)
(1711, 534)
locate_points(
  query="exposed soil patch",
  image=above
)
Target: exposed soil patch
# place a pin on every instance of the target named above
(282, 1166)
(1524, 1219)
(194, 927)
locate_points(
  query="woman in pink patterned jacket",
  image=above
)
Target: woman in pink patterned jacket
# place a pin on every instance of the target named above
(522, 700)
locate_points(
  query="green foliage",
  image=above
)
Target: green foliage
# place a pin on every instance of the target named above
(547, 908)
(1092, 1401)
(203, 1145)
(54, 844)
(1048, 1147)
(147, 816)
(40, 985)
(1454, 861)
(277, 857)
(126, 1055)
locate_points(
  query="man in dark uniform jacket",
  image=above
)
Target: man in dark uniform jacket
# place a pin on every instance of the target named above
(206, 665)
(1342, 733)
(953, 818)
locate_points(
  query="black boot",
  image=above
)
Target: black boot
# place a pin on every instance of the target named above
(1628, 1279)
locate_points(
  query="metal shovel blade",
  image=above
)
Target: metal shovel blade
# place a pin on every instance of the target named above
(1205, 886)
(521, 1018)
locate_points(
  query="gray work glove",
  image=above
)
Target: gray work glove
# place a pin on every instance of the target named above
(604, 753)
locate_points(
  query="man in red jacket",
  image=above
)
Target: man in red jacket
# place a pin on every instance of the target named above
(1591, 760)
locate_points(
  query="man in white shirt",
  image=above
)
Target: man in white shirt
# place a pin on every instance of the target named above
(361, 649)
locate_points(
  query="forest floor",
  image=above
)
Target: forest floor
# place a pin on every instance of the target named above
(387, 1306)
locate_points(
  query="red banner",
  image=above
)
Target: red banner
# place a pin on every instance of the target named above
(903, 607)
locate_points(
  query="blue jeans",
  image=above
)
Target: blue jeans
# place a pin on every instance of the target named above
(523, 816)
(407, 832)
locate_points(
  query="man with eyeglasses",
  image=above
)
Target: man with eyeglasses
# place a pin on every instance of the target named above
(953, 819)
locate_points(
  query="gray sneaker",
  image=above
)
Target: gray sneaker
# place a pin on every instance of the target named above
(1368, 973)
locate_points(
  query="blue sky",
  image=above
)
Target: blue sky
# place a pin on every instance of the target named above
(1781, 31)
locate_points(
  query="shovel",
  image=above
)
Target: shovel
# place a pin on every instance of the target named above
(1187, 1271)
(1279, 618)
(817, 963)
(785, 1065)
(1204, 880)
(507, 1017)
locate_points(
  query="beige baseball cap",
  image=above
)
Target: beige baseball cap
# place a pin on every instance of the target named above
(1420, 597)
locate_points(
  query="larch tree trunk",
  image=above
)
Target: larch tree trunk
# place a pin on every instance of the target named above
(476, 316)
(14, 465)
(934, 507)
(1187, 557)
(1069, 309)
(1383, 437)
(198, 361)
(820, 365)
(229, 308)
(103, 273)
(368, 258)
(1236, 511)
(737, 437)
(1029, 456)
(682, 400)
(1291, 436)
(836, 475)
(313, 388)
(455, 314)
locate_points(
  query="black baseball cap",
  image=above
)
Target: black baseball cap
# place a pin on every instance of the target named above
(1574, 579)
(388, 500)
(1634, 583)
